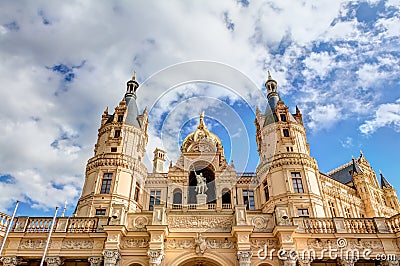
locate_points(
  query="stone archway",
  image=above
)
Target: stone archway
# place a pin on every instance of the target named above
(199, 261)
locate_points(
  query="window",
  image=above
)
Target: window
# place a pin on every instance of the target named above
(120, 118)
(117, 133)
(286, 132)
(266, 190)
(113, 149)
(297, 183)
(332, 208)
(347, 212)
(248, 199)
(100, 211)
(106, 183)
(226, 196)
(177, 197)
(287, 149)
(137, 191)
(283, 117)
(303, 212)
(155, 198)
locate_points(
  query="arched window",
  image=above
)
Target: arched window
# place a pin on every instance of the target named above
(226, 199)
(177, 199)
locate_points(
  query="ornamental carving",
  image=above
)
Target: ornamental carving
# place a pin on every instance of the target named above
(155, 257)
(9, 261)
(199, 223)
(53, 261)
(140, 223)
(258, 244)
(261, 224)
(95, 261)
(77, 244)
(111, 257)
(244, 257)
(189, 244)
(318, 244)
(135, 243)
(32, 244)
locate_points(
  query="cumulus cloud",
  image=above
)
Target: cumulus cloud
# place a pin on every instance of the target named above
(387, 114)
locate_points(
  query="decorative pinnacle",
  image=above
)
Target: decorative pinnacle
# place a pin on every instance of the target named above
(134, 75)
(201, 124)
(269, 75)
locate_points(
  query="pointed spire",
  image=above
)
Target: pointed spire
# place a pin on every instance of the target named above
(297, 110)
(134, 75)
(355, 168)
(269, 75)
(106, 111)
(384, 182)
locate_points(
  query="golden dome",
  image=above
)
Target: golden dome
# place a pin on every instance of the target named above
(201, 139)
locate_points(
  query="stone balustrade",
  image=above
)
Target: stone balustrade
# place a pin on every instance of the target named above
(318, 226)
(82, 224)
(39, 224)
(393, 224)
(360, 226)
(4, 222)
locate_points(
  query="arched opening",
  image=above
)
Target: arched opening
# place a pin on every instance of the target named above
(209, 174)
(200, 261)
(177, 197)
(226, 199)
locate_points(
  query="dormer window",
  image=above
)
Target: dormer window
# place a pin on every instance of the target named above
(120, 118)
(283, 117)
(117, 133)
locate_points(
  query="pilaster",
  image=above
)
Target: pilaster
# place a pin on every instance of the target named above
(53, 261)
(155, 257)
(285, 235)
(95, 261)
(244, 257)
(9, 261)
(111, 257)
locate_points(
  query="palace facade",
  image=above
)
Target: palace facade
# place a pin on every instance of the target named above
(130, 216)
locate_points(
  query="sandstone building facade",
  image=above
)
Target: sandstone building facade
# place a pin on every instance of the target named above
(129, 215)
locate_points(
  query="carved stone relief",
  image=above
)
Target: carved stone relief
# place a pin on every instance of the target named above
(95, 261)
(135, 243)
(195, 223)
(140, 223)
(32, 244)
(77, 244)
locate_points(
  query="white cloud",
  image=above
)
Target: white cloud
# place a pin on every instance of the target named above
(387, 114)
(324, 116)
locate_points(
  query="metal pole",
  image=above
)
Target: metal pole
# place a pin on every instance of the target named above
(48, 238)
(9, 227)
(65, 208)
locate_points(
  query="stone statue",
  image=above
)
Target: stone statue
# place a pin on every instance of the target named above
(201, 187)
(200, 243)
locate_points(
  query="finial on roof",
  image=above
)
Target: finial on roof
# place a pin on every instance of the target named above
(269, 75)
(201, 124)
(361, 154)
(134, 75)
(106, 111)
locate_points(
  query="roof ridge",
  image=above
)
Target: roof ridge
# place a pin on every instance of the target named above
(339, 168)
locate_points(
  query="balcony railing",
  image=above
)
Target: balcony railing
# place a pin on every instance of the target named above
(226, 206)
(319, 226)
(211, 206)
(177, 206)
(4, 222)
(82, 225)
(39, 225)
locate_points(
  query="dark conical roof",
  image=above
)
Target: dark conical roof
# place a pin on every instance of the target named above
(384, 182)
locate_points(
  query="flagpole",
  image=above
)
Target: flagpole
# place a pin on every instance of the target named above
(9, 227)
(48, 238)
(65, 208)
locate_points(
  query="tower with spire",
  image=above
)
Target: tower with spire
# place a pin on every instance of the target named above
(288, 175)
(115, 175)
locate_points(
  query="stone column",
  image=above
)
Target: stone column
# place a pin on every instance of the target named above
(53, 261)
(111, 257)
(244, 257)
(291, 262)
(348, 261)
(95, 261)
(9, 261)
(155, 256)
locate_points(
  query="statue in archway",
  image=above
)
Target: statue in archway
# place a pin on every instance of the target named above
(201, 187)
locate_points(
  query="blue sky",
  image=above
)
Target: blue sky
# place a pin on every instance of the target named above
(63, 63)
